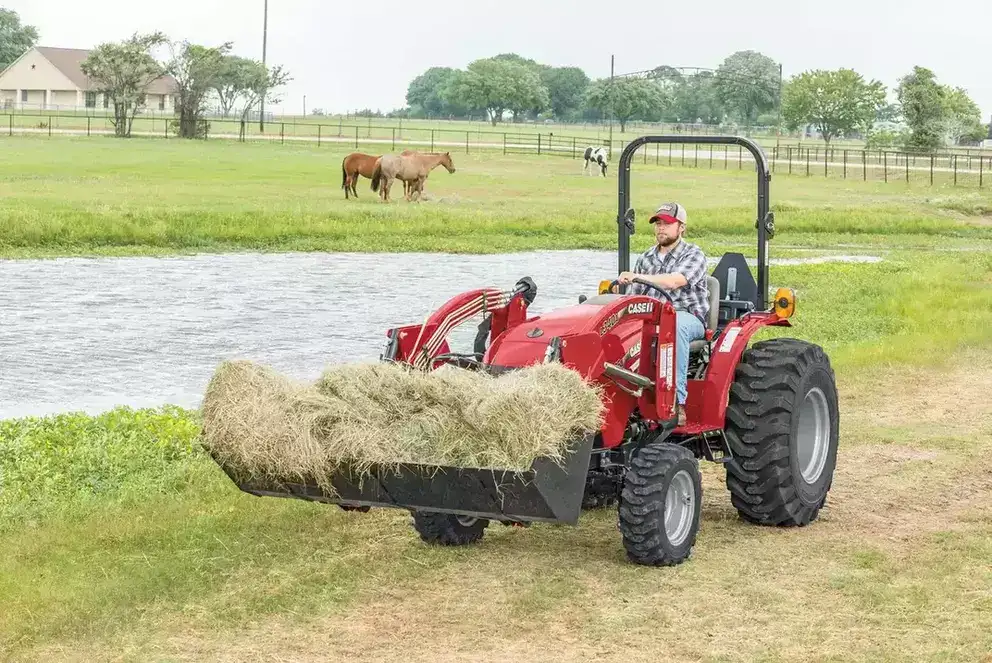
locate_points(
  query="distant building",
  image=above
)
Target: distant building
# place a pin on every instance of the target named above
(45, 78)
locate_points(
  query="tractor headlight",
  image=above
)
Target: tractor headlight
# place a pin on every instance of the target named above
(785, 302)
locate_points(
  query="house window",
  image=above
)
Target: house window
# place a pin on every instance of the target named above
(161, 102)
(91, 99)
(106, 101)
(24, 95)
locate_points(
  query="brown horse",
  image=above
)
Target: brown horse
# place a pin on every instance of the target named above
(356, 164)
(410, 168)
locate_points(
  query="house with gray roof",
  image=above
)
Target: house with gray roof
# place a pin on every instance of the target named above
(46, 78)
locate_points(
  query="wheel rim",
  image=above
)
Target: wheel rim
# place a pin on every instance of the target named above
(680, 506)
(814, 435)
(466, 521)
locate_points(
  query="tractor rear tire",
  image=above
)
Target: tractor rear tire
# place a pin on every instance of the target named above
(447, 529)
(661, 504)
(782, 429)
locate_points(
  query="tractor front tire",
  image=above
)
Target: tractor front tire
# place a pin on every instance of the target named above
(447, 529)
(660, 505)
(782, 429)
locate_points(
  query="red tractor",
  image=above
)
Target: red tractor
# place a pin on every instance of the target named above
(767, 412)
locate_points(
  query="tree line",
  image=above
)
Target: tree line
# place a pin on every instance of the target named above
(123, 70)
(746, 89)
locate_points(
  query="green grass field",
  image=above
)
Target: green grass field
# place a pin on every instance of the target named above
(93, 196)
(120, 540)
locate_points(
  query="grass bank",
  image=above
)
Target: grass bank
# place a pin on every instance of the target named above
(118, 537)
(145, 197)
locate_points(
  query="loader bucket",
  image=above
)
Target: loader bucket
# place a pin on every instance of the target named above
(547, 492)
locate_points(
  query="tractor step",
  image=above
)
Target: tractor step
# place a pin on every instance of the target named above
(547, 492)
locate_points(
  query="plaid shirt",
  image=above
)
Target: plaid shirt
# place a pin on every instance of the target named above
(687, 259)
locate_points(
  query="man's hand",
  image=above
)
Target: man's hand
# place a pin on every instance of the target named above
(666, 281)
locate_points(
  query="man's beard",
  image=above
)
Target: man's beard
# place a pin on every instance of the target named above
(668, 241)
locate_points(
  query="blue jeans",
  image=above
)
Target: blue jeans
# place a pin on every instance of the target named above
(688, 328)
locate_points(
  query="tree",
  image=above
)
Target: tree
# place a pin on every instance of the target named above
(696, 100)
(426, 91)
(14, 37)
(197, 70)
(122, 72)
(748, 82)
(626, 98)
(496, 85)
(234, 80)
(924, 105)
(566, 89)
(963, 118)
(261, 85)
(837, 103)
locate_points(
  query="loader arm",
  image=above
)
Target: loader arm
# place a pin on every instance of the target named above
(420, 345)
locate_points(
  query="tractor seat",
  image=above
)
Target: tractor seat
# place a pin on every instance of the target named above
(713, 318)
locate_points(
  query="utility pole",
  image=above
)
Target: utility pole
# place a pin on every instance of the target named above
(610, 94)
(778, 128)
(304, 105)
(265, 34)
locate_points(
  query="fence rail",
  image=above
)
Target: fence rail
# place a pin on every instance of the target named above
(798, 160)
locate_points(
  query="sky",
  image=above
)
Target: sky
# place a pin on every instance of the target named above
(345, 56)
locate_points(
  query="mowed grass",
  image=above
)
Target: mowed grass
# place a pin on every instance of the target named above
(120, 539)
(104, 196)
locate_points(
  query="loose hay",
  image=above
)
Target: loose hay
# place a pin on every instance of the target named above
(259, 423)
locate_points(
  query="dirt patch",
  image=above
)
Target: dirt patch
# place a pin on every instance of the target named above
(951, 399)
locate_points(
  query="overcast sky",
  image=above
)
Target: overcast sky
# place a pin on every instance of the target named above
(348, 55)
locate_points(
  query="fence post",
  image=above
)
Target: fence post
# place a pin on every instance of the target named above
(539, 144)
(504, 143)
(466, 142)
(807, 163)
(657, 154)
(740, 158)
(726, 157)
(931, 170)
(87, 124)
(789, 148)
(356, 136)
(825, 160)
(907, 168)
(432, 140)
(282, 133)
(864, 165)
(683, 154)
(981, 169)
(711, 156)
(845, 164)
(885, 167)
(955, 157)
(318, 135)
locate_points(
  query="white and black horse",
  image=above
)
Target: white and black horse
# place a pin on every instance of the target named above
(598, 156)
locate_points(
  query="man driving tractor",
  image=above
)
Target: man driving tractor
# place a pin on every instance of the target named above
(679, 267)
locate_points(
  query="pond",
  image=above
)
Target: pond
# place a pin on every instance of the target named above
(81, 334)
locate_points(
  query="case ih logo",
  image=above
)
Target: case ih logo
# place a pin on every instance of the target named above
(640, 307)
(636, 307)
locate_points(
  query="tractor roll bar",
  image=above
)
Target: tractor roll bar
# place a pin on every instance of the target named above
(765, 222)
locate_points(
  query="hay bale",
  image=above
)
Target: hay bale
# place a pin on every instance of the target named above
(259, 423)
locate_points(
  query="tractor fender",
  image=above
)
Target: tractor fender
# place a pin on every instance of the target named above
(725, 354)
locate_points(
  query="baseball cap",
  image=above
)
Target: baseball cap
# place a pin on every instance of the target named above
(669, 213)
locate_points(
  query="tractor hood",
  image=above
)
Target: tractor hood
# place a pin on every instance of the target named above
(530, 341)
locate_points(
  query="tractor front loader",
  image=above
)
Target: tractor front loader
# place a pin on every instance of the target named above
(768, 412)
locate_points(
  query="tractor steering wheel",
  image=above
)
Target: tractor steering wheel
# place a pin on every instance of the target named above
(649, 285)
